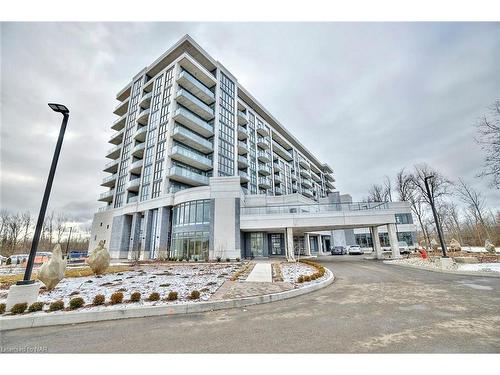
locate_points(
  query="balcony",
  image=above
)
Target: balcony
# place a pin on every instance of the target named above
(278, 179)
(189, 120)
(315, 177)
(107, 196)
(329, 177)
(242, 161)
(148, 86)
(262, 130)
(264, 157)
(138, 150)
(281, 151)
(191, 158)
(194, 104)
(120, 123)
(243, 176)
(278, 191)
(117, 138)
(145, 101)
(294, 177)
(140, 134)
(305, 173)
(242, 118)
(111, 167)
(197, 88)
(109, 181)
(186, 136)
(242, 147)
(307, 193)
(132, 199)
(114, 152)
(277, 167)
(329, 184)
(264, 169)
(178, 173)
(143, 117)
(264, 183)
(303, 163)
(242, 132)
(133, 185)
(306, 183)
(136, 167)
(122, 108)
(263, 143)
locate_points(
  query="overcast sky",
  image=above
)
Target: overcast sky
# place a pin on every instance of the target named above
(368, 99)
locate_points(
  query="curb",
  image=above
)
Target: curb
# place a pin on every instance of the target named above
(460, 273)
(74, 317)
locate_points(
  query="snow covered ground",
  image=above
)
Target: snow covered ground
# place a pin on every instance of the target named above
(482, 267)
(476, 267)
(291, 271)
(162, 278)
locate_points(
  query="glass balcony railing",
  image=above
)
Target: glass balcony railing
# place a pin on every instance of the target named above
(262, 129)
(192, 139)
(111, 166)
(264, 182)
(179, 173)
(107, 195)
(244, 175)
(110, 180)
(143, 117)
(242, 160)
(138, 150)
(190, 157)
(117, 137)
(194, 104)
(193, 122)
(114, 152)
(281, 151)
(196, 87)
(264, 156)
(242, 118)
(119, 124)
(264, 169)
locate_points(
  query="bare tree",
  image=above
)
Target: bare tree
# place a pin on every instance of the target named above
(475, 203)
(439, 186)
(27, 222)
(387, 190)
(15, 225)
(488, 139)
(60, 226)
(404, 186)
(375, 193)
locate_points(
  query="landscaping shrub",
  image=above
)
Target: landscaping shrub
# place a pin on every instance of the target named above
(154, 296)
(56, 305)
(36, 306)
(307, 278)
(116, 298)
(2, 308)
(76, 303)
(98, 300)
(218, 259)
(19, 308)
(135, 297)
(194, 294)
(172, 296)
(238, 259)
(300, 279)
(228, 260)
(8, 262)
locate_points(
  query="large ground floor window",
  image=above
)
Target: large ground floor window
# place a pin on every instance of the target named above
(365, 239)
(190, 245)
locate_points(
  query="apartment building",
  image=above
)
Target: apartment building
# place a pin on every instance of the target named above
(191, 147)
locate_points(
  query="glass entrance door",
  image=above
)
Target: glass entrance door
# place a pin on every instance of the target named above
(257, 244)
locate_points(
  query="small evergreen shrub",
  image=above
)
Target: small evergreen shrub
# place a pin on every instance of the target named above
(307, 278)
(8, 262)
(135, 297)
(56, 305)
(228, 260)
(154, 296)
(35, 306)
(116, 298)
(172, 296)
(98, 300)
(194, 294)
(300, 279)
(19, 308)
(238, 259)
(2, 308)
(218, 259)
(76, 303)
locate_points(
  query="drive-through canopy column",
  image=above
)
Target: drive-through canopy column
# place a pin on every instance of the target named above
(377, 249)
(290, 256)
(393, 240)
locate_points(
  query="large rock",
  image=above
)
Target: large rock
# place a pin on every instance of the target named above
(99, 259)
(52, 271)
(455, 245)
(490, 248)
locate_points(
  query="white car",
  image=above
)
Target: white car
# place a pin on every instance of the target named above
(403, 247)
(355, 249)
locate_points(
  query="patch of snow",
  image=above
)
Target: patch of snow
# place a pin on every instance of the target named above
(480, 267)
(291, 271)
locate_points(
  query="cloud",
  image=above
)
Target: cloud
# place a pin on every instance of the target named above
(367, 98)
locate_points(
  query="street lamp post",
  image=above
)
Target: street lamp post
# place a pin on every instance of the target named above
(41, 215)
(434, 213)
(67, 243)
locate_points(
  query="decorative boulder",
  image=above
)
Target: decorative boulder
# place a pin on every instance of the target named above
(455, 245)
(489, 247)
(99, 259)
(52, 271)
(434, 244)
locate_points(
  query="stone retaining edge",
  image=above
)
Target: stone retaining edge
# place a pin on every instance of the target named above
(74, 317)
(462, 273)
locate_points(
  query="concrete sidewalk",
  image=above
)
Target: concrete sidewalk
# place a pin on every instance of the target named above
(261, 273)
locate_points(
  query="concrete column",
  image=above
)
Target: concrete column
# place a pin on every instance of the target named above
(307, 243)
(393, 240)
(320, 245)
(146, 234)
(377, 249)
(163, 230)
(135, 240)
(120, 236)
(290, 256)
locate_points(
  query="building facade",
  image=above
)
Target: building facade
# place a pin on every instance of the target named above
(191, 149)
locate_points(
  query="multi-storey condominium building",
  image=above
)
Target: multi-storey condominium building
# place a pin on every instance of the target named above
(192, 153)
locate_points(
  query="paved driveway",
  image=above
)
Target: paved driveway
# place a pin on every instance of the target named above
(371, 307)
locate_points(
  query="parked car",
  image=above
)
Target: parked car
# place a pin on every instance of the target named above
(403, 247)
(355, 249)
(338, 250)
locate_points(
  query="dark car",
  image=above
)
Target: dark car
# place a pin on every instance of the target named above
(338, 250)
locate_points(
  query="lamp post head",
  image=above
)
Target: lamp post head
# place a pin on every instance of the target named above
(59, 108)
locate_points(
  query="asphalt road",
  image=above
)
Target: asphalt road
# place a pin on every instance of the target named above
(371, 307)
